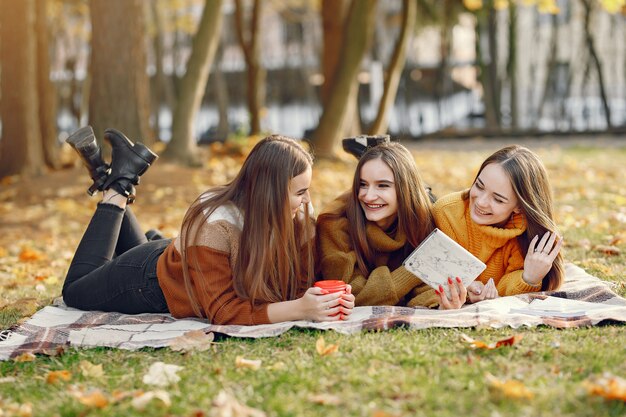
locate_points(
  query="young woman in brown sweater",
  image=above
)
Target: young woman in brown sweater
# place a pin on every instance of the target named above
(365, 234)
(244, 256)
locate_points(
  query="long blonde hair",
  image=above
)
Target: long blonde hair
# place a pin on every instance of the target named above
(275, 251)
(529, 179)
(415, 217)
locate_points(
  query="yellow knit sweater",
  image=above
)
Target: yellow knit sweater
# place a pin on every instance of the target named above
(388, 283)
(496, 247)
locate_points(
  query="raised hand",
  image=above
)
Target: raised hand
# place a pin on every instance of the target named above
(540, 256)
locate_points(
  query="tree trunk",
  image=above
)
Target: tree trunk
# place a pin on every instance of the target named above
(334, 14)
(549, 88)
(182, 148)
(398, 58)
(221, 95)
(20, 147)
(597, 63)
(119, 86)
(484, 25)
(250, 46)
(359, 25)
(47, 92)
(511, 65)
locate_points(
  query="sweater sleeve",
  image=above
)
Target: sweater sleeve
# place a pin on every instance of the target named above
(212, 282)
(512, 282)
(338, 261)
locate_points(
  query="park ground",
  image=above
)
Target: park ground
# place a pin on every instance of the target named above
(393, 373)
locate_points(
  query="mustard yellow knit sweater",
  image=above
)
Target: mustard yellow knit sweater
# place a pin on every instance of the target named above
(496, 247)
(388, 283)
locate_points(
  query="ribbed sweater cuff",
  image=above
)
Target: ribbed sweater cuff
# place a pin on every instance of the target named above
(260, 316)
(404, 281)
(521, 287)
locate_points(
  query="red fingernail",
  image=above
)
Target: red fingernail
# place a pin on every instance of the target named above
(441, 288)
(437, 292)
(449, 280)
(458, 280)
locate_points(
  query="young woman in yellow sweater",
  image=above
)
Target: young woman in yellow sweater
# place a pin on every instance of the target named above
(506, 220)
(366, 233)
(244, 256)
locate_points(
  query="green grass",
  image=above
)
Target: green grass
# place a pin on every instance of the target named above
(398, 372)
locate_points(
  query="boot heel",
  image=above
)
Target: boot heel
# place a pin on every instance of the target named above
(145, 153)
(81, 137)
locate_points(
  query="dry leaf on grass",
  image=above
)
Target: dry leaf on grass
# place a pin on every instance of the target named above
(477, 344)
(162, 374)
(225, 405)
(608, 386)
(607, 250)
(192, 340)
(141, 401)
(323, 349)
(53, 376)
(10, 409)
(509, 389)
(25, 357)
(89, 370)
(241, 362)
(92, 399)
(30, 255)
(325, 399)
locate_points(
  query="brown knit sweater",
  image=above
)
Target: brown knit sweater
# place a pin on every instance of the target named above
(497, 247)
(389, 283)
(216, 250)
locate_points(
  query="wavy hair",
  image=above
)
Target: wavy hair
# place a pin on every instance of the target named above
(415, 217)
(275, 250)
(529, 179)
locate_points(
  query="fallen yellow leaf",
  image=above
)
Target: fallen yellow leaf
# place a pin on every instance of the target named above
(53, 376)
(25, 357)
(241, 362)
(323, 349)
(89, 370)
(29, 255)
(192, 340)
(477, 344)
(608, 386)
(93, 399)
(141, 401)
(508, 388)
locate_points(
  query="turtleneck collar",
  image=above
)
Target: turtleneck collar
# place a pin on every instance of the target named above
(385, 241)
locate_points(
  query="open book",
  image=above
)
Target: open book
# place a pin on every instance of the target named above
(439, 257)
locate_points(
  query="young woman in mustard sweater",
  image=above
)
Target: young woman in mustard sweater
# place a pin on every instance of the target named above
(366, 233)
(244, 256)
(506, 220)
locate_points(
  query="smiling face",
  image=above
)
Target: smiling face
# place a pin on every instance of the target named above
(377, 193)
(299, 190)
(491, 198)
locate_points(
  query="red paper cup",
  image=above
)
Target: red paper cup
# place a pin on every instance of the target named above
(331, 285)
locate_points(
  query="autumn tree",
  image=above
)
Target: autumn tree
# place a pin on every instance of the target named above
(20, 146)
(395, 67)
(182, 148)
(249, 39)
(358, 33)
(119, 96)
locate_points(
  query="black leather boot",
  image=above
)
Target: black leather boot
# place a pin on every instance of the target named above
(128, 162)
(357, 145)
(84, 143)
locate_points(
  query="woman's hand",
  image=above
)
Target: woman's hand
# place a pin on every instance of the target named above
(540, 257)
(458, 295)
(318, 305)
(477, 291)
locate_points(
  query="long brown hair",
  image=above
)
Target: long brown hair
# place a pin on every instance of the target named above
(415, 217)
(529, 179)
(275, 250)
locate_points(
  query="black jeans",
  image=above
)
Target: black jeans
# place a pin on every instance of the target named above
(114, 267)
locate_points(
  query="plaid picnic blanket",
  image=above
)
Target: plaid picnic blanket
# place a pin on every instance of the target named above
(583, 300)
